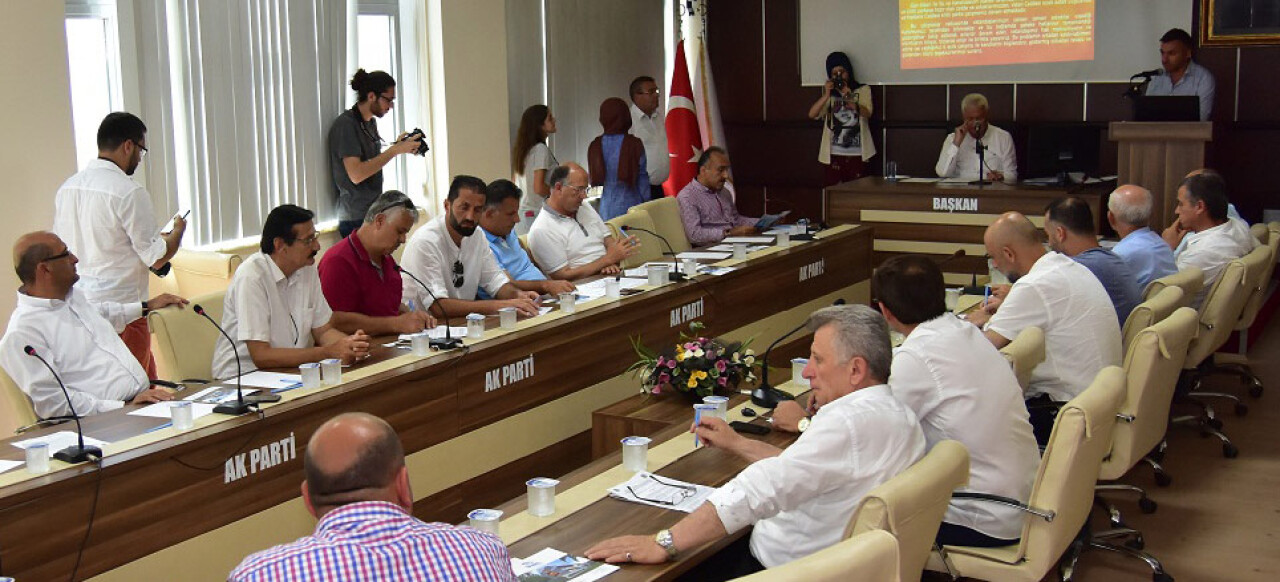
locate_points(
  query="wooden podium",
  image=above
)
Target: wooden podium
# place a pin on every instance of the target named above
(1156, 156)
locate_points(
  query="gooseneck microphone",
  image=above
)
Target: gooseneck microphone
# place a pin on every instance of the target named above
(77, 453)
(448, 342)
(242, 404)
(765, 395)
(674, 275)
(1149, 74)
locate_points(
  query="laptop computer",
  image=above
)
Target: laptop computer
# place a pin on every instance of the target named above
(1166, 108)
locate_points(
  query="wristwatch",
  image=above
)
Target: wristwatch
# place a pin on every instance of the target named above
(668, 543)
(802, 425)
(145, 309)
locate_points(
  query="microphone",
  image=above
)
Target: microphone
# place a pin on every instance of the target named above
(1149, 74)
(448, 342)
(956, 255)
(77, 453)
(765, 395)
(242, 404)
(674, 275)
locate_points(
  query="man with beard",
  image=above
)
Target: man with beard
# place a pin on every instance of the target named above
(275, 309)
(453, 260)
(107, 219)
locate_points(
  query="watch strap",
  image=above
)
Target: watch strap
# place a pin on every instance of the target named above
(668, 543)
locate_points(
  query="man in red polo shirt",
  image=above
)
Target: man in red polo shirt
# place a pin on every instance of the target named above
(359, 276)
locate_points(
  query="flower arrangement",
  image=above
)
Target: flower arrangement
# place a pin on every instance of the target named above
(696, 365)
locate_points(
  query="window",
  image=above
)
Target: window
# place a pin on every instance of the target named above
(93, 57)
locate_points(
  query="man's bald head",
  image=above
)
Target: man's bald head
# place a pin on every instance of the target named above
(30, 250)
(352, 457)
(1013, 243)
(1131, 204)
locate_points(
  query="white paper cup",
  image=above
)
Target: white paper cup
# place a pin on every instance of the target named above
(701, 410)
(475, 325)
(635, 453)
(541, 496)
(739, 250)
(722, 405)
(797, 371)
(507, 318)
(657, 275)
(953, 298)
(310, 375)
(180, 412)
(485, 520)
(331, 371)
(568, 302)
(784, 237)
(38, 458)
(690, 267)
(612, 288)
(420, 343)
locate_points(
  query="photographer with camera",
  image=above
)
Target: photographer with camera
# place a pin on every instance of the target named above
(356, 156)
(845, 110)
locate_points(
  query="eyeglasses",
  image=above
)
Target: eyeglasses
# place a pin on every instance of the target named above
(142, 148)
(655, 91)
(309, 240)
(579, 189)
(458, 276)
(62, 255)
(388, 99)
(681, 491)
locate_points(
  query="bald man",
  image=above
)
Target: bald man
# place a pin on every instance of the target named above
(1146, 253)
(570, 241)
(77, 338)
(1061, 297)
(357, 486)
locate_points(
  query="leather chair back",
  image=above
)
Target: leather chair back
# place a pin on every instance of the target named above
(15, 408)
(1224, 304)
(871, 556)
(183, 338)
(1190, 280)
(1258, 294)
(1024, 353)
(650, 249)
(665, 213)
(1150, 312)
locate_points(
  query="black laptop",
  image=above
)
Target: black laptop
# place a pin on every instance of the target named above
(1166, 108)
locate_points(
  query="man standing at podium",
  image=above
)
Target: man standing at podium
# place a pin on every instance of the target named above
(1182, 76)
(959, 157)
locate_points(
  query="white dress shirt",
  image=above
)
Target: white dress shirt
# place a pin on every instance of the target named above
(961, 161)
(962, 389)
(82, 347)
(263, 305)
(430, 255)
(1082, 335)
(652, 131)
(108, 221)
(1211, 249)
(558, 241)
(801, 500)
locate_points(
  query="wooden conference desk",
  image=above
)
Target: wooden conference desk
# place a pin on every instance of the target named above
(938, 219)
(167, 489)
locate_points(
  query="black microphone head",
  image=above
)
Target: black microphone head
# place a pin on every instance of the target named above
(29, 350)
(959, 252)
(196, 308)
(839, 301)
(399, 269)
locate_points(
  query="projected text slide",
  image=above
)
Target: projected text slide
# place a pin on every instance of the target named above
(965, 33)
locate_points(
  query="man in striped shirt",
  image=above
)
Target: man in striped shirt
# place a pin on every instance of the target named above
(358, 487)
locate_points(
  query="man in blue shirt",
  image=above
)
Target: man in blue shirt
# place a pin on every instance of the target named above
(1182, 76)
(1146, 253)
(497, 222)
(1068, 222)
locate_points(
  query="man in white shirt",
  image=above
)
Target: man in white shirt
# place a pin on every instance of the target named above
(75, 337)
(452, 259)
(1210, 238)
(959, 156)
(275, 309)
(648, 125)
(800, 499)
(1181, 75)
(108, 220)
(570, 241)
(1061, 297)
(962, 389)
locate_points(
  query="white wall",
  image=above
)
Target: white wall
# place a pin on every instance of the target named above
(38, 152)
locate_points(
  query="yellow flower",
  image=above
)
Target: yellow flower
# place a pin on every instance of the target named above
(680, 357)
(693, 382)
(698, 375)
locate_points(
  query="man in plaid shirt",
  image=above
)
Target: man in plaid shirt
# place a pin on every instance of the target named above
(358, 487)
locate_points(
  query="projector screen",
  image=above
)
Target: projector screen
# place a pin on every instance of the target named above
(981, 41)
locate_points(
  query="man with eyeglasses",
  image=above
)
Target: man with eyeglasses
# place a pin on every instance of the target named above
(274, 308)
(108, 219)
(76, 337)
(453, 259)
(360, 278)
(569, 240)
(648, 125)
(356, 157)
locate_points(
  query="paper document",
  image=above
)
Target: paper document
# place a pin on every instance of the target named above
(6, 465)
(218, 394)
(771, 219)
(648, 489)
(161, 410)
(437, 333)
(60, 440)
(920, 180)
(708, 269)
(755, 240)
(704, 255)
(595, 289)
(270, 380)
(549, 565)
(729, 248)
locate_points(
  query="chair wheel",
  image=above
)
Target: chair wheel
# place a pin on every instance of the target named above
(1215, 423)
(1161, 577)
(1136, 543)
(1242, 409)
(1163, 479)
(1147, 505)
(1255, 391)
(1230, 451)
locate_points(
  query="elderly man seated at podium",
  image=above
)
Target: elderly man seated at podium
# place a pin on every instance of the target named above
(799, 499)
(1205, 235)
(959, 157)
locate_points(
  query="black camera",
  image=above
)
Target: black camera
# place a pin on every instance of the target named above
(422, 145)
(837, 84)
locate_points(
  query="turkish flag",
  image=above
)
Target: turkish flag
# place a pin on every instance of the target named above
(684, 141)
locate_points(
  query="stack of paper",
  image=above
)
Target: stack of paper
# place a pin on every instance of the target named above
(551, 564)
(648, 489)
(60, 440)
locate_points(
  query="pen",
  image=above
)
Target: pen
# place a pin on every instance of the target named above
(986, 295)
(156, 428)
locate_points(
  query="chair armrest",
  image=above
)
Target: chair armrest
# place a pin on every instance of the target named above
(1044, 514)
(1129, 418)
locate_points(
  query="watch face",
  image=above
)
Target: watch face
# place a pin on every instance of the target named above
(803, 425)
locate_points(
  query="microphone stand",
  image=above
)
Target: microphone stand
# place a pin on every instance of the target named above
(242, 404)
(448, 342)
(77, 453)
(765, 395)
(674, 275)
(982, 163)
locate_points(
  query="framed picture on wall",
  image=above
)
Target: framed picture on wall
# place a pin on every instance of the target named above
(1239, 22)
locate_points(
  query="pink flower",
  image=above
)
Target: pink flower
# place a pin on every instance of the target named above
(721, 366)
(664, 378)
(671, 363)
(657, 390)
(661, 360)
(723, 381)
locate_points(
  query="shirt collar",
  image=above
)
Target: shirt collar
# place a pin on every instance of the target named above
(700, 188)
(42, 302)
(493, 238)
(101, 164)
(637, 111)
(354, 515)
(273, 269)
(856, 395)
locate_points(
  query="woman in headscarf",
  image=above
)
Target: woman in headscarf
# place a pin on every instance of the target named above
(845, 109)
(616, 161)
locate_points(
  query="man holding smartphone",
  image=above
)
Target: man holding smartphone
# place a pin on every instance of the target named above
(959, 157)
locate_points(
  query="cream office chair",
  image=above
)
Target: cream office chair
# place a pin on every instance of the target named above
(870, 557)
(1061, 498)
(650, 249)
(1149, 313)
(1238, 363)
(911, 505)
(1190, 280)
(15, 408)
(1024, 353)
(665, 213)
(184, 339)
(1261, 232)
(197, 273)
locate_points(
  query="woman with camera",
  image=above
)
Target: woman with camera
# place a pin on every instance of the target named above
(845, 110)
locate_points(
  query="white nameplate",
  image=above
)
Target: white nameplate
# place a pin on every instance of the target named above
(813, 269)
(261, 458)
(686, 313)
(956, 204)
(508, 374)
